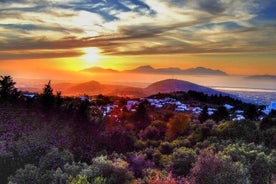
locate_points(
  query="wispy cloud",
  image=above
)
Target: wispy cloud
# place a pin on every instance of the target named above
(31, 54)
(133, 27)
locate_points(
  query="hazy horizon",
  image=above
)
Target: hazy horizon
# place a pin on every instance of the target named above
(143, 80)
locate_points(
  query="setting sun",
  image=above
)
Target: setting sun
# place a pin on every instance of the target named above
(91, 54)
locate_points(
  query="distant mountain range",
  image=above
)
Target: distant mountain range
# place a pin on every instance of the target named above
(262, 77)
(164, 86)
(99, 70)
(170, 71)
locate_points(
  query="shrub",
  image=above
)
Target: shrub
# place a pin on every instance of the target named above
(151, 132)
(178, 125)
(80, 179)
(200, 134)
(138, 163)
(166, 148)
(112, 171)
(213, 169)
(182, 160)
(28, 175)
(236, 130)
(158, 177)
(56, 158)
(260, 165)
(268, 137)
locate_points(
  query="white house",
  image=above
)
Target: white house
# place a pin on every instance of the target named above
(238, 117)
(211, 111)
(270, 107)
(181, 108)
(239, 112)
(273, 105)
(228, 107)
(131, 103)
(197, 110)
(84, 98)
(29, 95)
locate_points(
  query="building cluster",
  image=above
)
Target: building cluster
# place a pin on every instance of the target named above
(237, 115)
(132, 105)
(159, 103)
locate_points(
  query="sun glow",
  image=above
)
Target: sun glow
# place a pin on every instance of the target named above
(91, 54)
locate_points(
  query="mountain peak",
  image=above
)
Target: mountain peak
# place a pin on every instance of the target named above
(145, 67)
(142, 69)
(204, 71)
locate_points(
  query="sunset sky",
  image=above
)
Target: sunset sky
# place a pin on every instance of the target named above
(59, 36)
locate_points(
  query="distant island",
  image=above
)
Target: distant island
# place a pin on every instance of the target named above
(171, 70)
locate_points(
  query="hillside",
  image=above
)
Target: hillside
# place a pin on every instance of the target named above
(164, 86)
(91, 87)
(95, 88)
(172, 85)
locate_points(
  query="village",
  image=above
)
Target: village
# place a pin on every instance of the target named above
(131, 105)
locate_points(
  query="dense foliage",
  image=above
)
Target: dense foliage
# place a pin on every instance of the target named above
(47, 138)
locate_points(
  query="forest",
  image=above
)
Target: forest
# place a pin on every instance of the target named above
(49, 138)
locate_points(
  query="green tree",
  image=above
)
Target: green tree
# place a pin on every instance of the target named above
(83, 110)
(110, 171)
(211, 168)
(178, 125)
(251, 112)
(200, 134)
(268, 137)
(203, 115)
(80, 179)
(269, 121)
(141, 118)
(28, 175)
(56, 158)
(221, 114)
(47, 97)
(256, 158)
(237, 130)
(7, 89)
(59, 99)
(182, 160)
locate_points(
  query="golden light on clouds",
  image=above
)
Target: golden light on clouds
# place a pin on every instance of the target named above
(126, 34)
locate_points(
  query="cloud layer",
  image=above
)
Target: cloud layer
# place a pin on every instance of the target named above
(60, 28)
